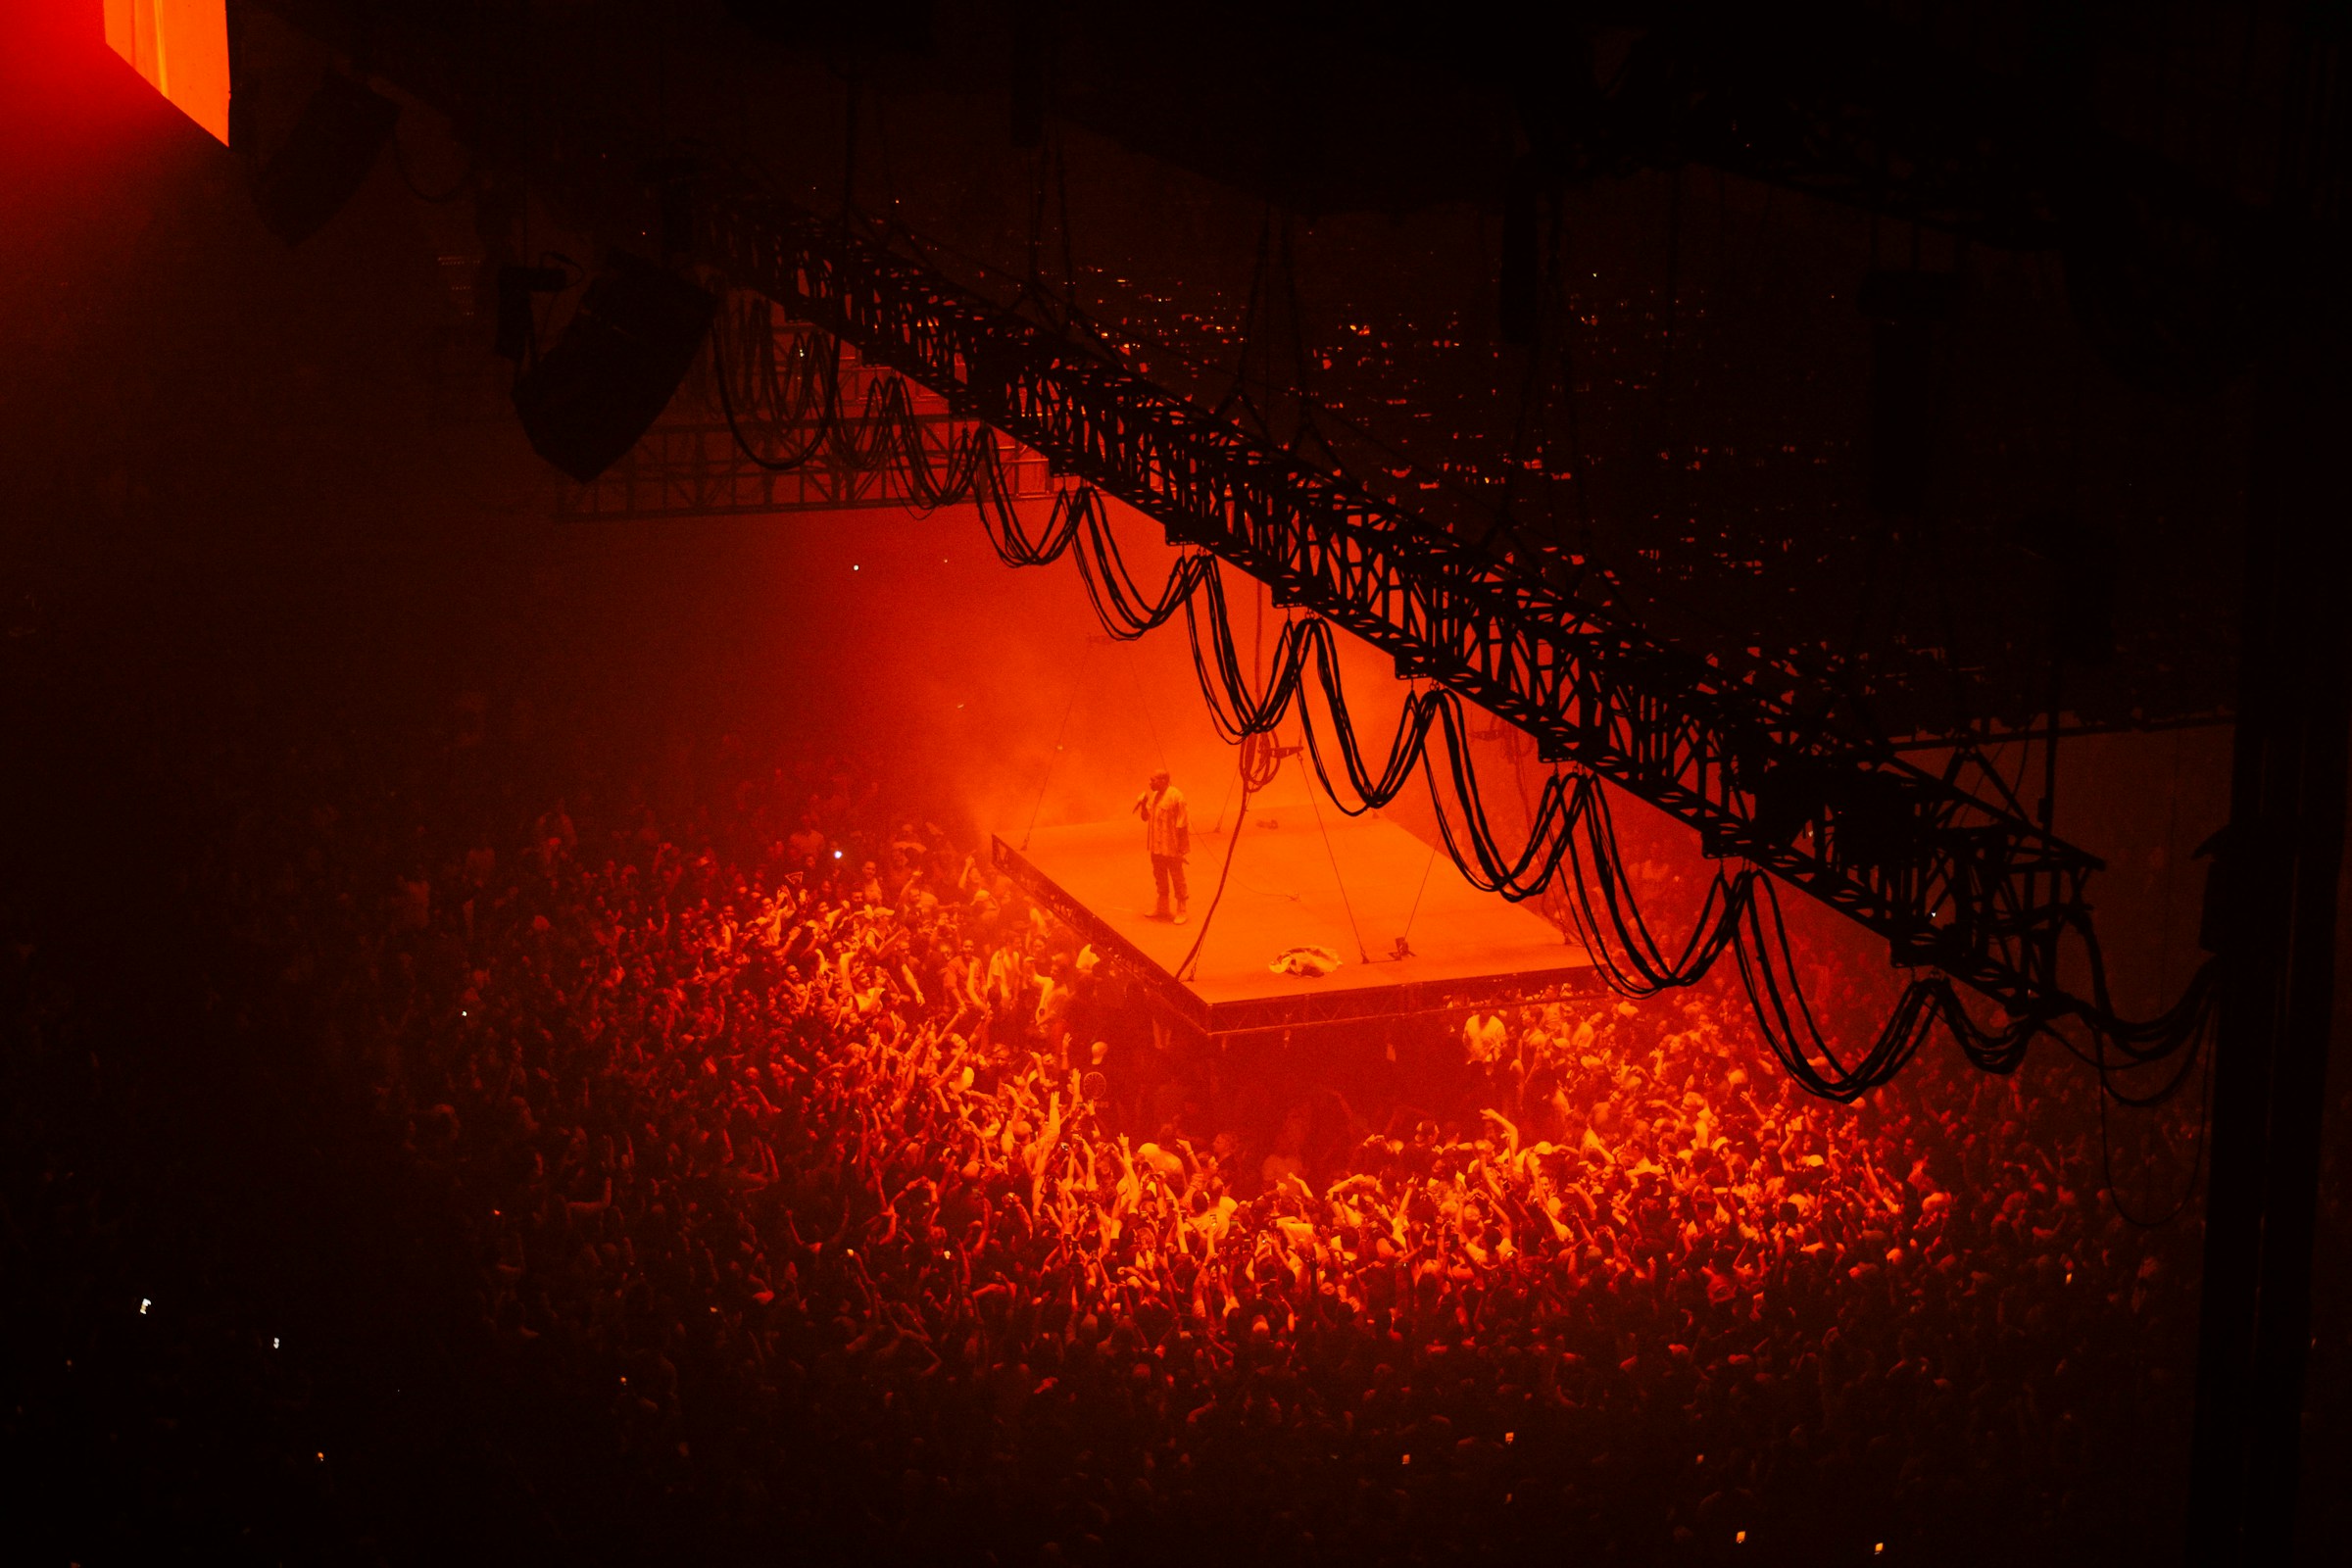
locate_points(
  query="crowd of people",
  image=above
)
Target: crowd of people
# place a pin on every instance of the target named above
(815, 1151)
(841, 1195)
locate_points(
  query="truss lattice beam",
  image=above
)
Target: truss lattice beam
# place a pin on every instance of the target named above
(696, 469)
(694, 464)
(1947, 878)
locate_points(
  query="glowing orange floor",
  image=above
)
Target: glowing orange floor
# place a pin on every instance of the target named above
(1296, 883)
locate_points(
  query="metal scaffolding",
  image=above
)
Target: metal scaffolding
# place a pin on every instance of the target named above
(697, 469)
(1948, 878)
(693, 463)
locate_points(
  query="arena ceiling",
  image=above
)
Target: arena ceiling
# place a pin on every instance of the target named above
(1909, 351)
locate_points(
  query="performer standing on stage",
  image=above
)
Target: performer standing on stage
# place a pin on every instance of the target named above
(1169, 836)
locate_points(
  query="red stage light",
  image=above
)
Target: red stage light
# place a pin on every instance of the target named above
(181, 48)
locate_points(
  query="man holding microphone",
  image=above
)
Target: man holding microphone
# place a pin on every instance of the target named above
(1169, 836)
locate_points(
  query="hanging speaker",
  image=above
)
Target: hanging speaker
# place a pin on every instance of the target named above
(332, 147)
(591, 396)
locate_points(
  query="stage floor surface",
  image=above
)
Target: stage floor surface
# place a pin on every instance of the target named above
(1298, 881)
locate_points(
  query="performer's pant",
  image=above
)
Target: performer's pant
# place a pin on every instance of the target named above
(1167, 870)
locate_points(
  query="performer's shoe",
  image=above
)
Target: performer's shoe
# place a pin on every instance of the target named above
(1161, 913)
(1180, 915)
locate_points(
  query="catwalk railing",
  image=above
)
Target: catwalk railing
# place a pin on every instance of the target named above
(1949, 879)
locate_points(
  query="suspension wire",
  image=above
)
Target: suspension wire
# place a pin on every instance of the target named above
(1363, 955)
(1221, 805)
(1404, 948)
(1258, 762)
(1142, 703)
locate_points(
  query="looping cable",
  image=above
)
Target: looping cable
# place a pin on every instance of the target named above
(1570, 838)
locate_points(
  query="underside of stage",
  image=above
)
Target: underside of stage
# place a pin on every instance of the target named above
(1297, 879)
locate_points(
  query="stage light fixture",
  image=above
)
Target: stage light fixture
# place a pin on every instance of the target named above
(334, 146)
(591, 396)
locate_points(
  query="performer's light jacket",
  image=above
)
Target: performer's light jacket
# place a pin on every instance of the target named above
(1168, 830)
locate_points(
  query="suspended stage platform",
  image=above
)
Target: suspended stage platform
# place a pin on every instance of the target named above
(1297, 880)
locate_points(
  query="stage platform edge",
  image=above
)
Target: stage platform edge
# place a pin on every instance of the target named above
(1286, 1002)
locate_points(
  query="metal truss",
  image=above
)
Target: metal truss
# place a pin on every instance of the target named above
(698, 470)
(691, 466)
(1949, 879)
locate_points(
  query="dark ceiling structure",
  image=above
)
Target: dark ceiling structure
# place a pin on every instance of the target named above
(1802, 333)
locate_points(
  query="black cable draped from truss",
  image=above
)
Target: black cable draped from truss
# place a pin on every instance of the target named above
(1569, 825)
(1257, 760)
(1078, 527)
(807, 395)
